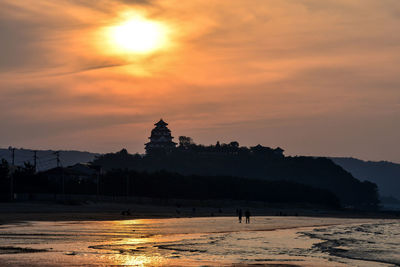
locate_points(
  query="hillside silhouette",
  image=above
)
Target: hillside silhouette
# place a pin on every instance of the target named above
(158, 185)
(229, 161)
(46, 159)
(385, 174)
(258, 162)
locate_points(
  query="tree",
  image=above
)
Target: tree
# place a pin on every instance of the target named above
(4, 179)
(185, 141)
(234, 144)
(28, 169)
(4, 169)
(123, 151)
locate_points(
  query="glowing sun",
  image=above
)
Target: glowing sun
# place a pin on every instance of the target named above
(139, 35)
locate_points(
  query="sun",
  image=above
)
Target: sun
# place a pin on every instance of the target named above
(139, 35)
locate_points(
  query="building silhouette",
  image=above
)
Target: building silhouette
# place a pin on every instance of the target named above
(160, 139)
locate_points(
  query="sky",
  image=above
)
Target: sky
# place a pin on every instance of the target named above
(313, 77)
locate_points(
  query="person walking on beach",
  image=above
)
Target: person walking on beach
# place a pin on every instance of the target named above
(240, 215)
(247, 214)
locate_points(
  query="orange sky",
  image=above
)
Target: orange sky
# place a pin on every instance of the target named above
(314, 77)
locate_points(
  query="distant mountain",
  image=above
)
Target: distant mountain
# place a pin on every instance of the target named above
(47, 159)
(385, 174)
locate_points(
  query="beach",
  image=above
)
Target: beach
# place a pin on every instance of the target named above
(87, 211)
(74, 238)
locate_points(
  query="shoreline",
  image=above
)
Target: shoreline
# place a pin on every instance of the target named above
(104, 211)
(152, 228)
(281, 234)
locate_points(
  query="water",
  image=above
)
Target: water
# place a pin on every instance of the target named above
(376, 242)
(296, 241)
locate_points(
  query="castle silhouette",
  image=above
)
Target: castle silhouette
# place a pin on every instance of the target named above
(160, 139)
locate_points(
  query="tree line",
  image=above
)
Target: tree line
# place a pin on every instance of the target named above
(205, 171)
(165, 185)
(258, 162)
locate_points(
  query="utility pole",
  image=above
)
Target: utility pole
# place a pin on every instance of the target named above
(127, 186)
(98, 173)
(57, 153)
(12, 149)
(35, 160)
(98, 185)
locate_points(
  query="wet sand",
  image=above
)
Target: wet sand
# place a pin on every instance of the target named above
(212, 241)
(51, 234)
(50, 211)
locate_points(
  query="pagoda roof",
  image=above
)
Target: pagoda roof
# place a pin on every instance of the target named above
(161, 123)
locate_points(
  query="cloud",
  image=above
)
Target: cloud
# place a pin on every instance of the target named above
(89, 68)
(271, 72)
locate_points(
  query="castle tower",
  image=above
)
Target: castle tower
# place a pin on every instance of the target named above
(160, 139)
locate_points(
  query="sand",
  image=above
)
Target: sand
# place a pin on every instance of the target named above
(209, 241)
(97, 233)
(51, 211)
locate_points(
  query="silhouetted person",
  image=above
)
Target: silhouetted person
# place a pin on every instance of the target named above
(247, 214)
(126, 212)
(240, 215)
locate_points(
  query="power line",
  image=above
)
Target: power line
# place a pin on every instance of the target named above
(40, 159)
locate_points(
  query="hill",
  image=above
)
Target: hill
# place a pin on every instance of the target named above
(255, 163)
(46, 159)
(385, 174)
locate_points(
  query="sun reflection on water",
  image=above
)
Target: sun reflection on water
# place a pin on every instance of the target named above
(142, 247)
